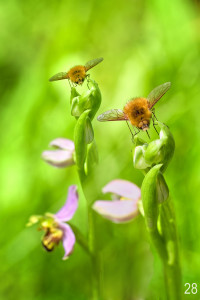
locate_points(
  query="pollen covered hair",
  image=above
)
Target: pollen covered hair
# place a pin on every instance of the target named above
(137, 110)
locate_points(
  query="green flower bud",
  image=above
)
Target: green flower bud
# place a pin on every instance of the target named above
(159, 151)
(89, 100)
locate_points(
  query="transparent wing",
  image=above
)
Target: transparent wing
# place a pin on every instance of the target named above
(90, 64)
(112, 115)
(59, 76)
(157, 93)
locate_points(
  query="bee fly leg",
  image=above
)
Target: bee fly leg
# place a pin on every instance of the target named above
(166, 125)
(153, 119)
(135, 132)
(148, 134)
(153, 112)
(72, 84)
(69, 83)
(134, 135)
(155, 126)
(131, 131)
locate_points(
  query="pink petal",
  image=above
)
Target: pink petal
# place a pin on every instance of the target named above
(58, 158)
(63, 143)
(123, 188)
(67, 211)
(118, 211)
(68, 239)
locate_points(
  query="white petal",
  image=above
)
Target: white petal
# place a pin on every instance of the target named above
(123, 188)
(118, 211)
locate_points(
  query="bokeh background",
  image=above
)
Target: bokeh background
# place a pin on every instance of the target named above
(144, 44)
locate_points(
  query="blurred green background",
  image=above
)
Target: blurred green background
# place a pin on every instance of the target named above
(144, 44)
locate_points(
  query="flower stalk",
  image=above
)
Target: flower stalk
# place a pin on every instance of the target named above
(153, 159)
(84, 108)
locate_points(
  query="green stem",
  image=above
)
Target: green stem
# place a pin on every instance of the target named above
(172, 264)
(96, 263)
(91, 249)
(88, 190)
(84, 108)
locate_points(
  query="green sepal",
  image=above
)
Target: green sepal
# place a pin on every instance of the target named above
(168, 145)
(139, 149)
(139, 157)
(92, 157)
(95, 98)
(152, 195)
(153, 152)
(74, 94)
(138, 141)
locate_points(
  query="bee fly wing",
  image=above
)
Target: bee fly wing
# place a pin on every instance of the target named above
(90, 64)
(59, 76)
(157, 93)
(112, 115)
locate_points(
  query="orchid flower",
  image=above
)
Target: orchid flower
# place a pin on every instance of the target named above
(55, 228)
(61, 157)
(124, 207)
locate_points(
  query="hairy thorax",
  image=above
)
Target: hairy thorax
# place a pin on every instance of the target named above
(77, 74)
(138, 113)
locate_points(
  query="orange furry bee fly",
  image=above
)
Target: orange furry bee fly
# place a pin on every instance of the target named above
(77, 74)
(138, 110)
